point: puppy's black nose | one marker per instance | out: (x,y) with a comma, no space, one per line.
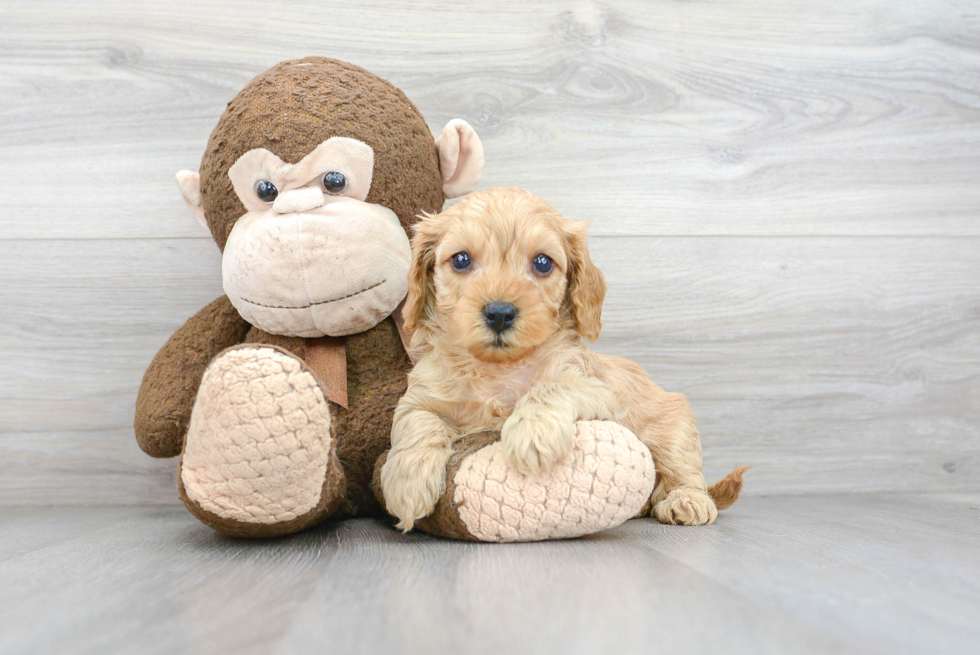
(499,315)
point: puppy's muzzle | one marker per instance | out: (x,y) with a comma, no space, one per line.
(499,316)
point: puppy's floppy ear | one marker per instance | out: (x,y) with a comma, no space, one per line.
(586,284)
(428,232)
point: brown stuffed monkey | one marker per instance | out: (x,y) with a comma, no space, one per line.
(279,395)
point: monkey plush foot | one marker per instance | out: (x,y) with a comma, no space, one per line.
(606,479)
(260,459)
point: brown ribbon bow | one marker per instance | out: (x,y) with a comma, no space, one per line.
(327,356)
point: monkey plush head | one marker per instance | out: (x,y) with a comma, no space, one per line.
(308,184)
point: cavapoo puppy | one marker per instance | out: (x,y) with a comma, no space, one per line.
(502,297)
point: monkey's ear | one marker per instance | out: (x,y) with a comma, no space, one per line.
(460,158)
(190,188)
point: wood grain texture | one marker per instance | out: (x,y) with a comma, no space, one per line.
(840,363)
(784,199)
(649,117)
(831,574)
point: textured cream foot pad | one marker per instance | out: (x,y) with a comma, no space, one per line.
(605,481)
(259,438)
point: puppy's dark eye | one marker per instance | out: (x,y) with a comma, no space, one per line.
(334,183)
(266,190)
(460,261)
(543,264)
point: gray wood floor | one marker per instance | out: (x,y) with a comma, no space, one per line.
(810,574)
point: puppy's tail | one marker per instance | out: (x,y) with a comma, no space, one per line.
(725,492)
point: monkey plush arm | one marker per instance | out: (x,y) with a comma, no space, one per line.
(166,397)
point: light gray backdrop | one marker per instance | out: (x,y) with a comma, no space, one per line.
(785,198)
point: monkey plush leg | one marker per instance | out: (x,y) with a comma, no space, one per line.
(166,396)
(605,480)
(260,456)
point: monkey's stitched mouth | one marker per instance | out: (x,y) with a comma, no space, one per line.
(314,304)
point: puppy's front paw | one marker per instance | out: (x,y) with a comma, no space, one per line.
(686,507)
(535,438)
(412,482)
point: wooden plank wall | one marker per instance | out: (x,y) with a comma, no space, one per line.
(785,198)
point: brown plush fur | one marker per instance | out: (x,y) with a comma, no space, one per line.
(289,110)
(531,382)
(166,396)
(377,376)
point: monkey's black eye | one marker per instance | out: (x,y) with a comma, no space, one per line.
(266,190)
(334,183)
(460,261)
(543,264)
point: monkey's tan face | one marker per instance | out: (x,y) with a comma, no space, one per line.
(311,257)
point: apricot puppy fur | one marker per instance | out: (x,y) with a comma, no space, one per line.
(502,297)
